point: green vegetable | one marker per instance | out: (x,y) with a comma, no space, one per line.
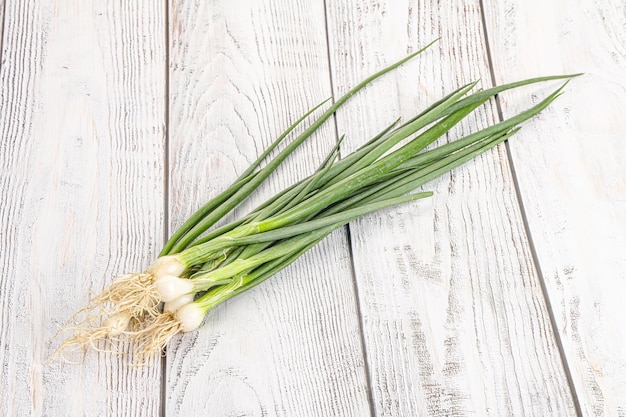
(200,268)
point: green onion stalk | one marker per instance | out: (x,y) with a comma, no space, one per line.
(200,266)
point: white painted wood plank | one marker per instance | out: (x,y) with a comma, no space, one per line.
(454,318)
(81,184)
(571,172)
(290,347)
(1,27)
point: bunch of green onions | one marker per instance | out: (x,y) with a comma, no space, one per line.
(199,267)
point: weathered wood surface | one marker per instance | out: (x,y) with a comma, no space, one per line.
(290,347)
(450,302)
(81,183)
(572,176)
(1,27)
(501,295)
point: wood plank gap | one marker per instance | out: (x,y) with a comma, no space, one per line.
(355,287)
(166,133)
(330,72)
(357,302)
(527,231)
(166,182)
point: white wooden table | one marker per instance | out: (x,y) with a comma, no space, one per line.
(502,295)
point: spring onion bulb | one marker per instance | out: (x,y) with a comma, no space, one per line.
(117,324)
(176,303)
(200,266)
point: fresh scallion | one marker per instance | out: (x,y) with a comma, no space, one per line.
(200,268)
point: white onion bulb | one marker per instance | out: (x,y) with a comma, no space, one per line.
(171,287)
(190,317)
(178,302)
(117,323)
(166,265)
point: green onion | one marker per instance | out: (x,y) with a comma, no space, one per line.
(200,268)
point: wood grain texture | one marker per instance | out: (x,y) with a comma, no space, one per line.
(571,172)
(453,315)
(455,321)
(81,174)
(1,28)
(290,347)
